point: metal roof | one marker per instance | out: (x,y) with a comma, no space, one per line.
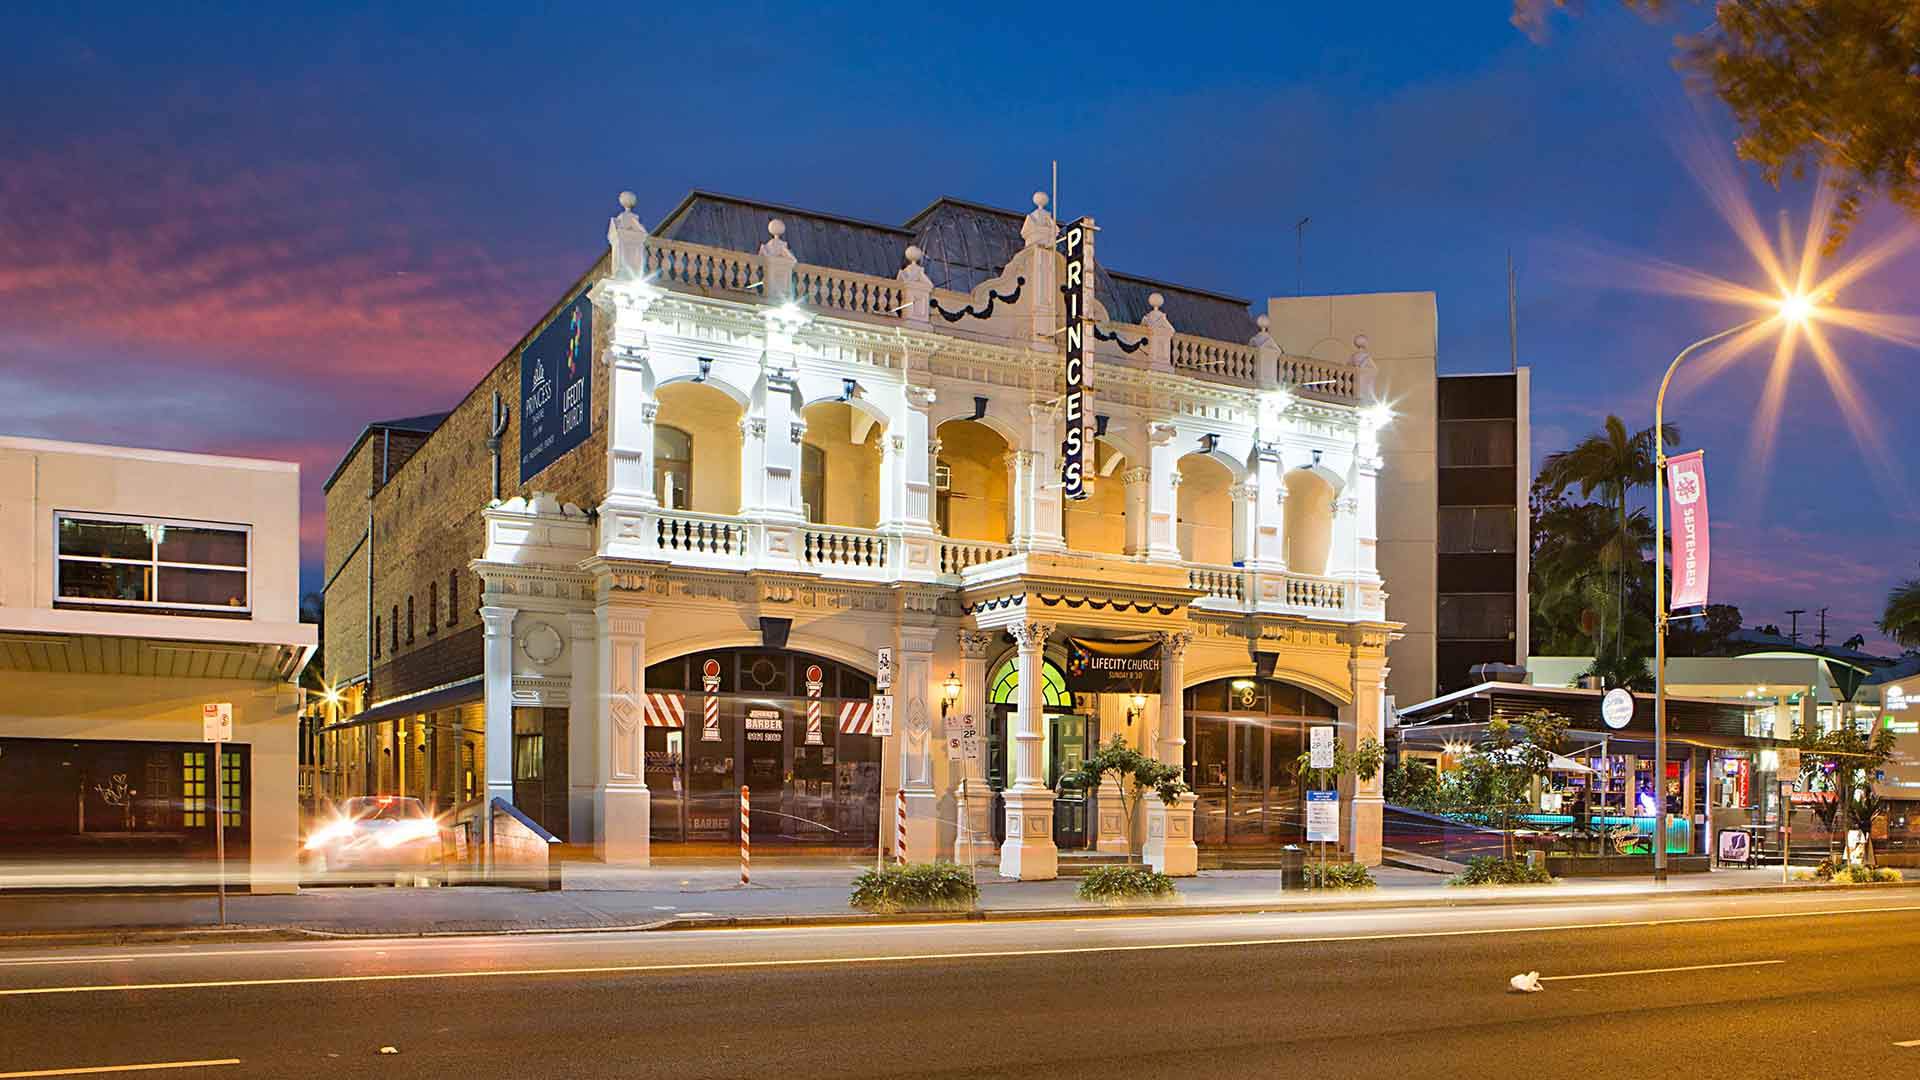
(965,244)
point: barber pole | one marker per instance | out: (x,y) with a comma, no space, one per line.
(710,712)
(900,825)
(815,681)
(746,857)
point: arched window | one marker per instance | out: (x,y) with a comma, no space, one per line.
(672,467)
(1004,687)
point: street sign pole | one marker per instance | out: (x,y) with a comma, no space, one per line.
(219,831)
(216,727)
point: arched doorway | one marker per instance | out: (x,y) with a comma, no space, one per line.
(970,483)
(1244,741)
(1309,521)
(697,421)
(840,465)
(793,727)
(1206,511)
(1070,736)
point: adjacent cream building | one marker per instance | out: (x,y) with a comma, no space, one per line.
(136,587)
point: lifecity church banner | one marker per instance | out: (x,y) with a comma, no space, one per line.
(1687,503)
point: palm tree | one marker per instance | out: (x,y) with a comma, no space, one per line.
(1610,464)
(1901,619)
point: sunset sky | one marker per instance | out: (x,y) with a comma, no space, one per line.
(253,233)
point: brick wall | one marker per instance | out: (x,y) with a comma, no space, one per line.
(428,528)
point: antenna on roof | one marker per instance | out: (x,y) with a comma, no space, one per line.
(1300,256)
(1513,317)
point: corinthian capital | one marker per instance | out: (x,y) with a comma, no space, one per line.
(1175,642)
(1032,635)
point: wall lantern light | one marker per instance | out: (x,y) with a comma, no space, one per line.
(952,688)
(1139,704)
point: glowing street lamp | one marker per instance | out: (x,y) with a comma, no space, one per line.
(1794,310)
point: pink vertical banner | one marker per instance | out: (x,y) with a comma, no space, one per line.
(1687,505)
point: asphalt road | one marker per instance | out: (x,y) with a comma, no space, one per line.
(1767,986)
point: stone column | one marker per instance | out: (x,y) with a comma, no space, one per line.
(1029,853)
(1136,479)
(975,800)
(1033,488)
(1169,846)
(914,689)
(906,497)
(1244,496)
(1368,665)
(498,700)
(583,746)
(1268,508)
(1163,494)
(622,806)
(631,409)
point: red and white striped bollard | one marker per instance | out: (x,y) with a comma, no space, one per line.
(900,825)
(746,856)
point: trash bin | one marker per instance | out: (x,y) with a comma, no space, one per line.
(1536,859)
(1293,868)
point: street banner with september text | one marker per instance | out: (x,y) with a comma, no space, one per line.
(1687,502)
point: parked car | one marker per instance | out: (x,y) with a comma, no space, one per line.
(379,833)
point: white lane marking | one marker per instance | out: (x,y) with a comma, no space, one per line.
(1661,971)
(836,961)
(48,960)
(90,1070)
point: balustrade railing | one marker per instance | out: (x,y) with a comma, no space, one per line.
(1317,378)
(841,290)
(1316,593)
(676,263)
(684,533)
(957,555)
(1218,583)
(1222,359)
(854,549)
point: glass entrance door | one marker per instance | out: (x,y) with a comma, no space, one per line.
(1066,752)
(763,769)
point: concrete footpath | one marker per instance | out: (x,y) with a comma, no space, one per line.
(706,895)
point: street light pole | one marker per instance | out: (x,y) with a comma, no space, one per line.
(1660,598)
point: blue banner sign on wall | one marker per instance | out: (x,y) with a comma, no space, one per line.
(556,388)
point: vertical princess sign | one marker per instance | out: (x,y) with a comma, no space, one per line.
(1073,447)
(1687,502)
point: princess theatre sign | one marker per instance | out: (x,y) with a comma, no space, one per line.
(1073,450)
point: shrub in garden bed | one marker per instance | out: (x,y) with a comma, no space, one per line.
(937,886)
(1339,875)
(1119,884)
(1488,870)
(1848,874)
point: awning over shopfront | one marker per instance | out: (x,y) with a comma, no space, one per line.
(445,697)
(1460,719)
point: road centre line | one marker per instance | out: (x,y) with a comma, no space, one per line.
(94,1070)
(836,961)
(1660,971)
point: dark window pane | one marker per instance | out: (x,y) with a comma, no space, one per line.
(105,539)
(1485,617)
(228,588)
(104,581)
(191,544)
(1476,442)
(1467,530)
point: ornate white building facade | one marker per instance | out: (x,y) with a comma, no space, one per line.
(807,463)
